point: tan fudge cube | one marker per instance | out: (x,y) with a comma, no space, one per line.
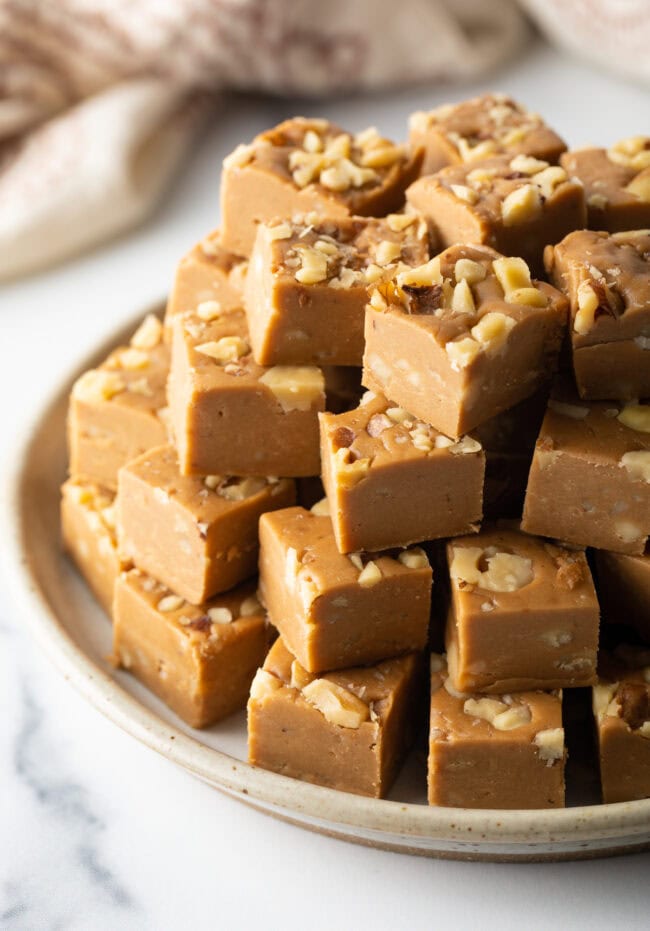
(200,660)
(335,611)
(616,183)
(303,166)
(516,205)
(607,280)
(88,533)
(196,535)
(306,287)
(392,480)
(118,410)
(348,730)
(523,614)
(461,339)
(589,482)
(623,584)
(480,128)
(230,415)
(497,751)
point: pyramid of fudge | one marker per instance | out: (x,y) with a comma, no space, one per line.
(358,477)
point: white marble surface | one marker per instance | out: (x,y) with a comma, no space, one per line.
(97,832)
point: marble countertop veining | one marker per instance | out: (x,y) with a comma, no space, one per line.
(96,831)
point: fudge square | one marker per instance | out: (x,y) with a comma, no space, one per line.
(197,535)
(516,205)
(308,165)
(462,338)
(497,751)
(335,611)
(523,614)
(478,129)
(621,707)
(607,280)
(623,585)
(199,659)
(392,480)
(306,287)
(589,482)
(348,730)
(616,183)
(230,415)
(119,409)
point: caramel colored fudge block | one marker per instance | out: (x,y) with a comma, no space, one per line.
(306,287)
(623,584)
(523,614)
(197,535)
(516,205)
(616,183)
(480,128)
(119,410)
(349,730)
(589,482)
(607,280)
(462,338)
(88,532)
(303,166)
(496,751)
(392,480)
(199,659)
(232,416)
(621,706)
(335,611)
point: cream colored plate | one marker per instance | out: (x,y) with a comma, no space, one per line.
(76,635)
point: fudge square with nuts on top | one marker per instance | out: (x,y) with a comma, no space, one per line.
(623,585)
(516,205)
(616,183)
(199,659)
(349,730)
(523,614)
(480,128)
(333,610)
(607,280)
(306,286)
(230,415)
(118,410)
(198,535)
(589,482)
(462,338)
(392,480)
(310,165)
(497,751)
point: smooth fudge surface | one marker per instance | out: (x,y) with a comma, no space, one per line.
(349,730)
(462,338)
(623,584)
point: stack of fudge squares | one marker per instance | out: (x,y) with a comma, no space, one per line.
(490,291)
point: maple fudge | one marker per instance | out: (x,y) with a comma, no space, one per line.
(462,338)
(88,533)
(616,183)
(607,280)
(392,480)
(516,205)
(623,584)
(306,289)
(197,534)
(311,165)
(497,751)
(621,707)
(232,416)
(333,610)
(480,128)
(523,614)
(589,482)
(199,659)
(119,409)
(349,730)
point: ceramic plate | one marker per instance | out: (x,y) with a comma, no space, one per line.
(77,636)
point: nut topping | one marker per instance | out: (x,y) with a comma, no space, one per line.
(504,572)
(337,705)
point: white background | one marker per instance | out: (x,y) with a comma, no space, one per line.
(96,831)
